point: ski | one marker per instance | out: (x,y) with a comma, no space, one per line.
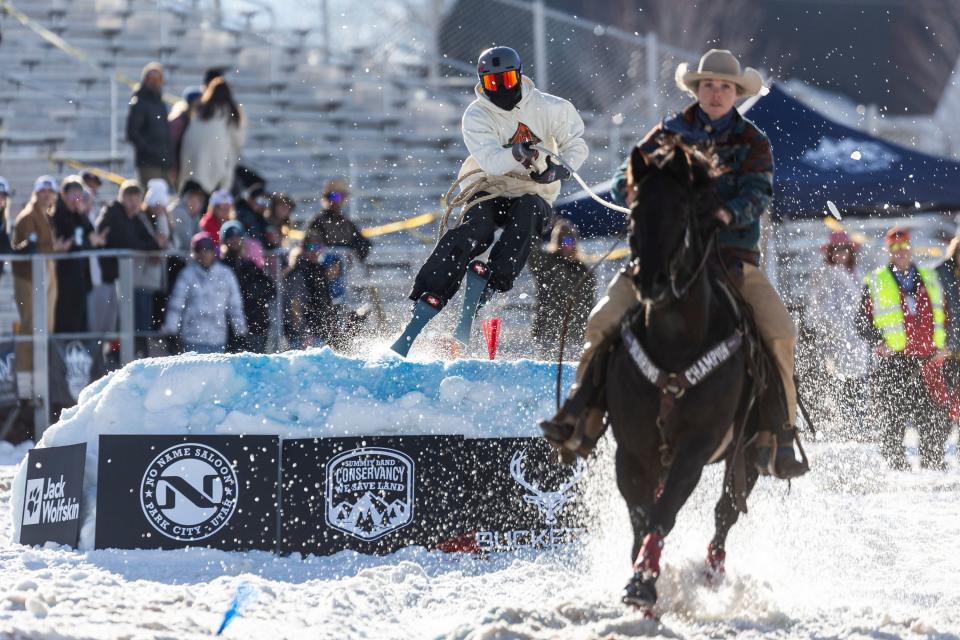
(424,310)
(478,273)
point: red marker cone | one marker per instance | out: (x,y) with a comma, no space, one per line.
(491,331)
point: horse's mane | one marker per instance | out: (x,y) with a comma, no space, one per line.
(696,167)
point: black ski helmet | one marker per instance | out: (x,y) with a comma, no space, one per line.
(496,63)
(498,59)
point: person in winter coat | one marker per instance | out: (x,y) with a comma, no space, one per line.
(147,128)
(121,223)
(902,315)
(150,281)
(949,273)
(33,233)
(251,211)
(219,210)
(179,120)
(840,358)
(5,246)
(205,299)
(331,225)
(500,127)
(73,276)
(184,213)
(309,316)
(562,279)
(256,288)
(213,142)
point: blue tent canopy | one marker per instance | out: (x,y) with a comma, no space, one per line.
(816,160)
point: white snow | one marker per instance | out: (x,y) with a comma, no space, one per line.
(851,550)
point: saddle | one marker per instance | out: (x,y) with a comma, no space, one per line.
(580,423)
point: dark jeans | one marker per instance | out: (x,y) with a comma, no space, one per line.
(522,220)
(901,397)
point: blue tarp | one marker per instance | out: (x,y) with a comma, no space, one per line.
(816,160)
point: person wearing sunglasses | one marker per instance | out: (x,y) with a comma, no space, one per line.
(902,315)
(500,128)
(333,227)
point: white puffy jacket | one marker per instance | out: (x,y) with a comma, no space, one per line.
(201,302)
(490,132)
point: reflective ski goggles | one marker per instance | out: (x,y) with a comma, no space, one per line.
(502,80)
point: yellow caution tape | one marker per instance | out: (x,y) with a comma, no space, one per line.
(115,178)
(383,229)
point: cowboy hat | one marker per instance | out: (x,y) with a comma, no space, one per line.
(720,64)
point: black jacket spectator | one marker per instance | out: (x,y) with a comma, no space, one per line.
(257,290)
(73,276)
(337,231)
(125,233)
(309,311)
(148,131)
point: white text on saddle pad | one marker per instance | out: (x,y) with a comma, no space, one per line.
(705,365)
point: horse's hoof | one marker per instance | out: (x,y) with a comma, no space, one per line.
(715,568)
(640,593)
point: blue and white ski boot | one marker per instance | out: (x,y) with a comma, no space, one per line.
(478,274)
(424,310)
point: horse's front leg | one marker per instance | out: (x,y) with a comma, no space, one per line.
(682,479)
(726,514)
(637,484)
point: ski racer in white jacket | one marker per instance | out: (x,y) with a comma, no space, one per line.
(205,296)
(499,127)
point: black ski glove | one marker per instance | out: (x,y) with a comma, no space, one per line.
(524,154)
(552,173)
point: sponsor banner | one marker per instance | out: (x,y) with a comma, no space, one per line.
(371,494)
(73,365)
(8,374)
(166,492)
(521,498)
(51,502)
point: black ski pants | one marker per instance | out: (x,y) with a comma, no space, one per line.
(522,219)
(901,398)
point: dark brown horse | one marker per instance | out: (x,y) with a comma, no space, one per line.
(680,378)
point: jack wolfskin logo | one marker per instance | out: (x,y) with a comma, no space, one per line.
(189,492)
(369,492)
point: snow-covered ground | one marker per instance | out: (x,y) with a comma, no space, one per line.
(851,551)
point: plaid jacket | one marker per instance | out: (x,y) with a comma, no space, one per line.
(747,186)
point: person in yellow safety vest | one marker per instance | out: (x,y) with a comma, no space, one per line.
(902,314)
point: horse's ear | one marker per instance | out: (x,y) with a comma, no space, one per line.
(636,167)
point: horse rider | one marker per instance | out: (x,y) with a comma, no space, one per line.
(745,188)
(902,314)
(507,118)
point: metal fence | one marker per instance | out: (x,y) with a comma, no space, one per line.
(40,335)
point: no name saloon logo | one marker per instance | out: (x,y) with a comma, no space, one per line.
(189,492)
(369,492)
(47,502)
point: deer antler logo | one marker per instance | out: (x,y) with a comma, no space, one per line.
(550,503)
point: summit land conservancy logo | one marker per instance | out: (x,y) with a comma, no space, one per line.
(369,492)
(189,492)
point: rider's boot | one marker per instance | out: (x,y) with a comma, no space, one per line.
(776,455)
(579,424)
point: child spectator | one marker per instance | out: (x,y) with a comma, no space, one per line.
(256,288)
(205,299)
(309,312)
(218,212)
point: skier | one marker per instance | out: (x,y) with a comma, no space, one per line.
(500,127)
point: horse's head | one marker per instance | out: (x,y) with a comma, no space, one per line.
(673,199)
